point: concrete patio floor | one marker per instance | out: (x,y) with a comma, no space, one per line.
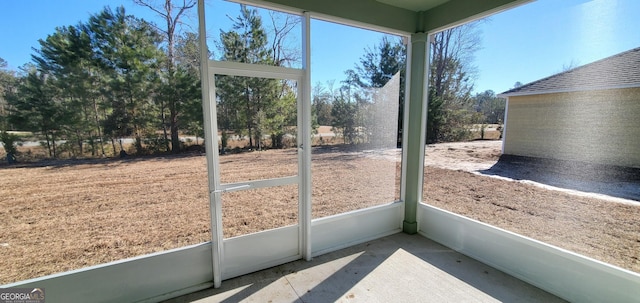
(397,268)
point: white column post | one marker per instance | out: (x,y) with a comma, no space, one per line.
(305,165)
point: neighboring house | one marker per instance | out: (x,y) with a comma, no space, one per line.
(590,113)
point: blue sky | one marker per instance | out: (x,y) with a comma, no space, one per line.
(523,44)
(536,40)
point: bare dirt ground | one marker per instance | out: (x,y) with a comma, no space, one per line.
(467,156)
(63,215)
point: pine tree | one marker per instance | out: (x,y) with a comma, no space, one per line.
(374,75)
(66,57)
(188,65)
(127,51)
(246,104)
(35,107)
(175,96)
(8,82)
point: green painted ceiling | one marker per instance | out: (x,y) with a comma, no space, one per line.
(414,5)
(408,16)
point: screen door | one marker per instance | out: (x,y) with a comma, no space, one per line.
(258,162)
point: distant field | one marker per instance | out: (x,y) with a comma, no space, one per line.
(491,131)
(20,133)
(323,136)
(61,215)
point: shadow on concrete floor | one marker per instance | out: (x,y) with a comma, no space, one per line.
(397,268)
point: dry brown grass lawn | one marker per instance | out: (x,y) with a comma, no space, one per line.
(72,214)
(604,230)
(58,216)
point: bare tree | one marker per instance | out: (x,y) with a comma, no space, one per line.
(171,11)
(172,14)
(451,81)
(569,66)
(283,24)
(452,54)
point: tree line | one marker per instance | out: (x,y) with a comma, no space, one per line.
(110,77)
(452,108)
(117,76)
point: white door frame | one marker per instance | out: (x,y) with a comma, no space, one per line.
(303,179)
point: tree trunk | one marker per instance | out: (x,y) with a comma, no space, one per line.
(175,138)
(113,145)
(163,116)
(46,137)
(138,143)
(95,109)
(53,144)
(80,145)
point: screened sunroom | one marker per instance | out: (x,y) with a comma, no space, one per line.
(348,213)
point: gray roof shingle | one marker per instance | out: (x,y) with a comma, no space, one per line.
(618,71)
